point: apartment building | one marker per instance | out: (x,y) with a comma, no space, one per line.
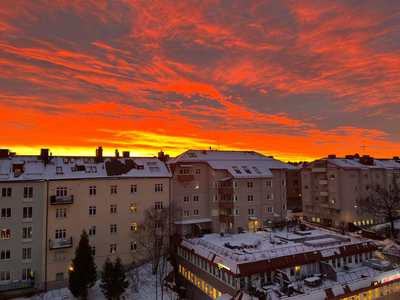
(107,196)
(331,188)
(228,191)
(300,265)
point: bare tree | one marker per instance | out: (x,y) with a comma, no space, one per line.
(152,237)
(382,203)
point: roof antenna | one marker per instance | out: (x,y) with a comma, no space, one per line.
(219,149)
(363,147)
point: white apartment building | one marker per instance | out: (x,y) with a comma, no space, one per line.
(52,199)
(331,188)
(228,191)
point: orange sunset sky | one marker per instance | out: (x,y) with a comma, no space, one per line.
(295,79)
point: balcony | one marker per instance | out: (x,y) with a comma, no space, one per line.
(318,170)
(17,285)
(60,200)
(324,204)
(324,193)
(185,178)
(226,191)
(59,244)
(226,204)
(226,219)
(323,181)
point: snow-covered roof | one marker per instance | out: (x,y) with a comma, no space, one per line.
(355,163)
(240,164)
(62,167)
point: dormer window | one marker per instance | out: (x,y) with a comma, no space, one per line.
(86,160)
(246,169)
(59,170)
(192,154)
(94,169)
(236,169)
(257,170)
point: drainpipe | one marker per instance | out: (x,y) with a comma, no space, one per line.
(45,244)
(261,201)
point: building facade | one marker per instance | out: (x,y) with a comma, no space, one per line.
(332,187)
(228,191)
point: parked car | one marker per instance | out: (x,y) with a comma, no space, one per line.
(297,209)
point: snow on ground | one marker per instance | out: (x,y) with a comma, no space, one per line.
(142,289)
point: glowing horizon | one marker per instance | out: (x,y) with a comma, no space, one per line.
(297,81)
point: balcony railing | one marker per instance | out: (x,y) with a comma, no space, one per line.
(318,170)
(323,181)
(59,244)
(17,285)
(324,193)
(185,178)
(226,219)
(226,204)
(226,191)
(60,200)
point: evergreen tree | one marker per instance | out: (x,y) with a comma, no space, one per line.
(119,282)
(107,278)
(82,275)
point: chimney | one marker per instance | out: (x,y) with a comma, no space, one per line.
(44,154)
(349,157)
(99,154)
(394,157)
(116,153)
(125,154)
(356,155)
(4,153)
(363,160)
(271,156)
(332,156)
(161,155)
(370,161)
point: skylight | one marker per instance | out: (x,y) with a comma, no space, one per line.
(192,154)
(257,170)
(236,169)
(246,169)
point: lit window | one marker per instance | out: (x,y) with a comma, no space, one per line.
(134,208)
(133,227)
(6,233)
(196,185)
(113,248)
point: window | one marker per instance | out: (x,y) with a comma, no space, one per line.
(114,190)
(5,275)
(92,210)
(283,182)
(26,253)
(6,233)
(6,192)
(333,201)
(327,211)
(113,208)
(113,228)
(186,199)
(133,188)
(158,206)
(246,169)
(154,169)
(317,198)
(60,234)
(27,233)
(315,176)
(28,192)
(214,212)
(295,182)
(195,198)
(61,192)
(92,231)
(198,171)
(337,211)
(305,176)
(27,273)
(250,184)
(332,177)
(309,208)
(133,227)
(158,187)
(184,171)
(250,198)
(214,184)
(284,207)
(270,196)
(365,176)
(196,185)
(270,209)
(214,198)
(317,209)
(186,185)
(186,213)
(6,212)
(133,246)
(61,213)
(60,276)
(27,212)
(92,191)
(113,248)
(251,211)
(284,194)
(316,187)
(158,242)
(133,208)
(306,187)
(196,213)
(236,169)
(5,255)
(352,175)
(158,225)
(93,250)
